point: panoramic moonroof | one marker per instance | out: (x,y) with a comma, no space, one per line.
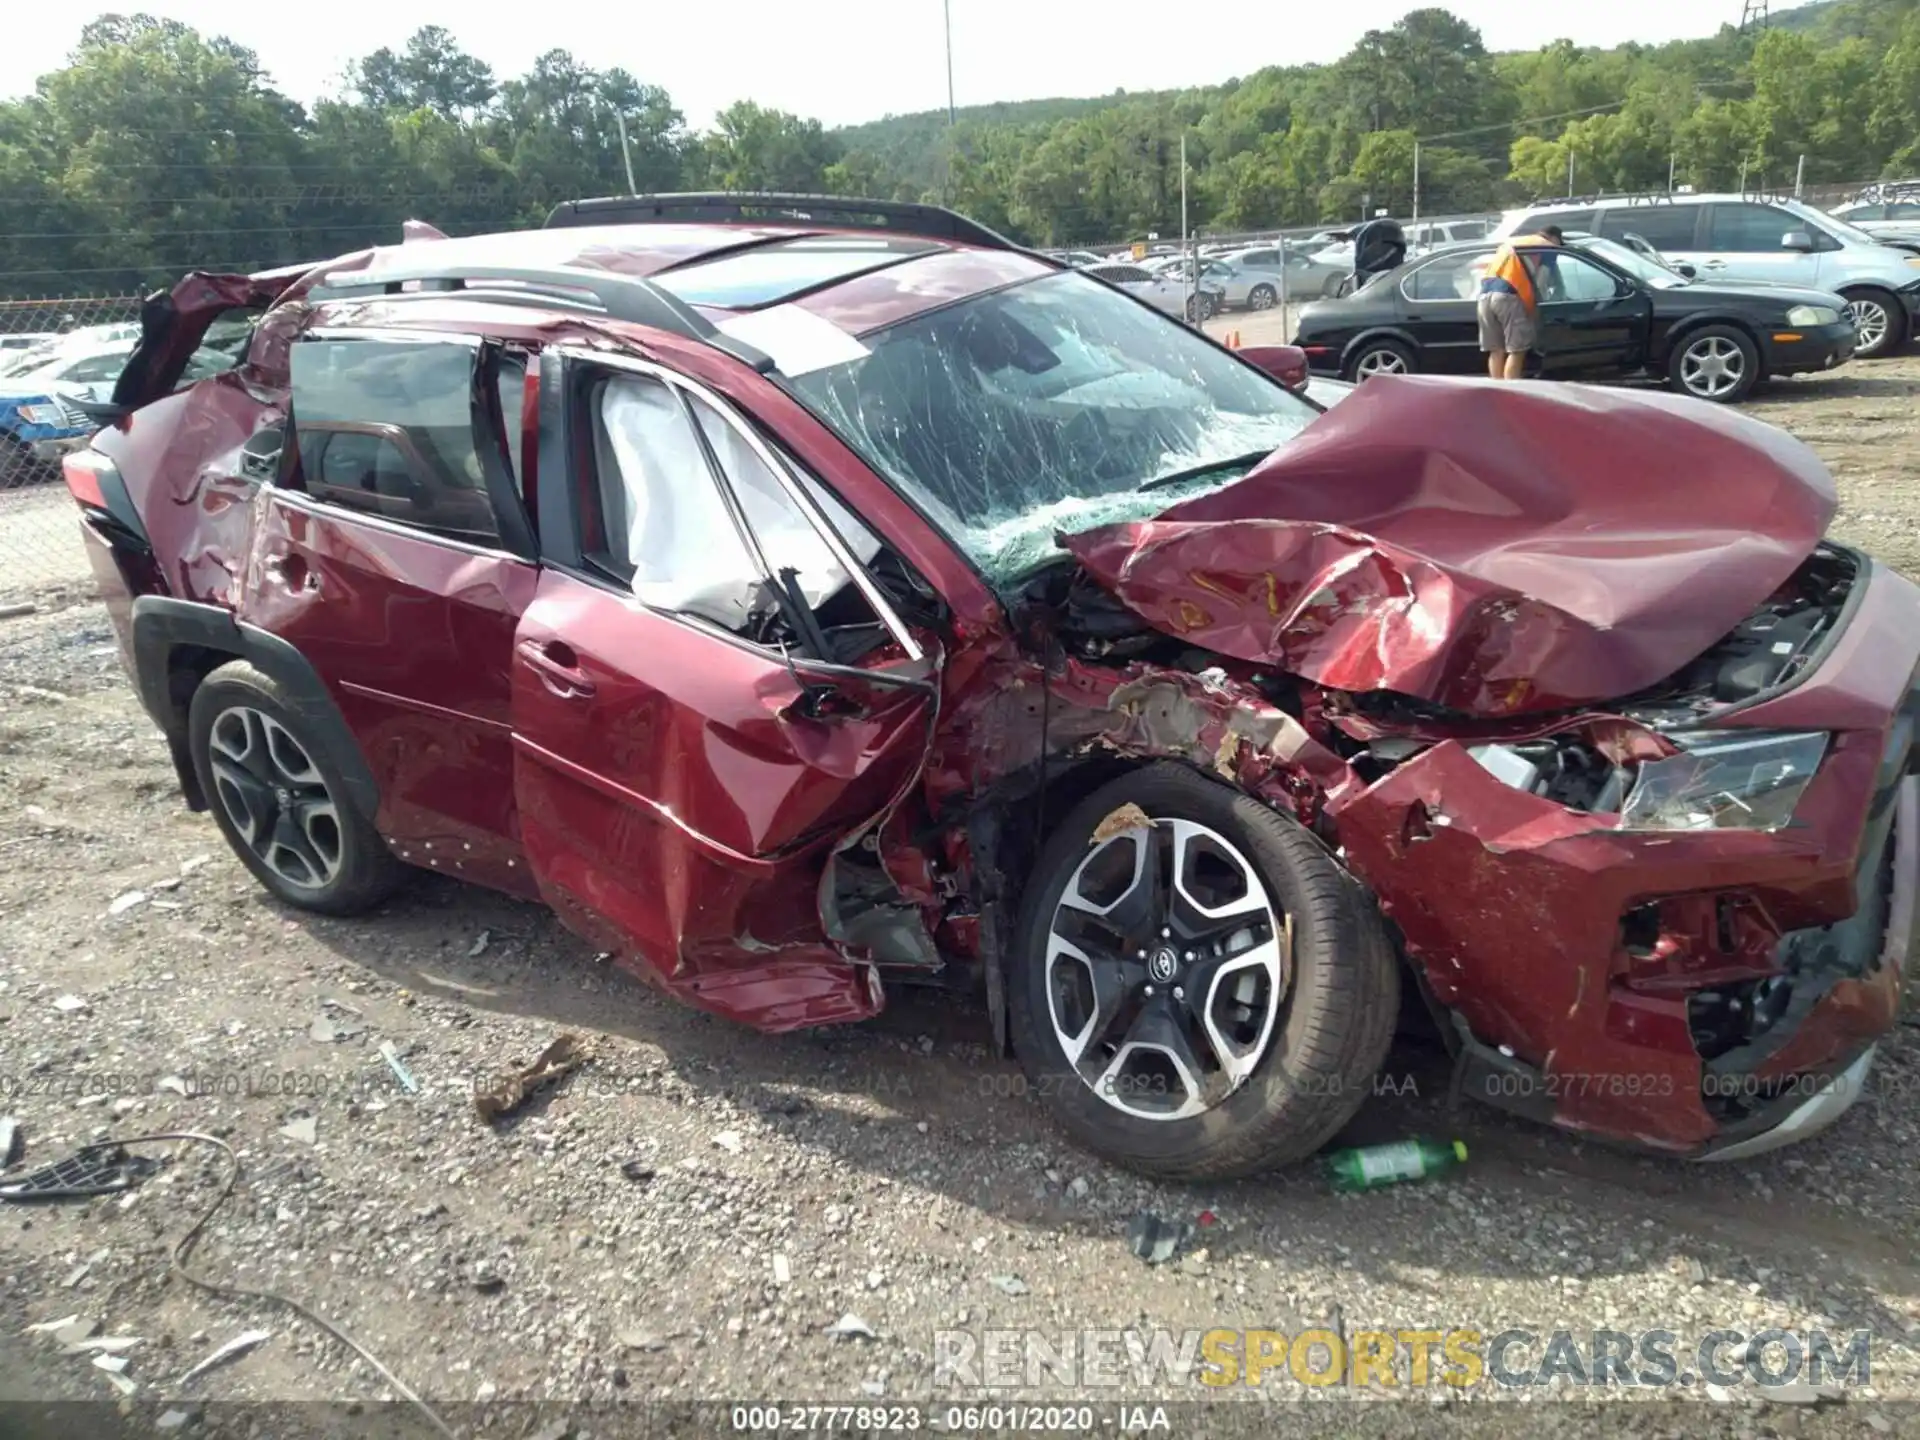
(768,274)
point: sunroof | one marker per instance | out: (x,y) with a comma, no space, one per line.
(768,274)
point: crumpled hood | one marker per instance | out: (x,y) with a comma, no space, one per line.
(1494,548)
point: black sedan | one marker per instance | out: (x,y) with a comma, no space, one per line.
(1605,310)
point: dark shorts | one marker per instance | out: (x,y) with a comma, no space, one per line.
(1505,323)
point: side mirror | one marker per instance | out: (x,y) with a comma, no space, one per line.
(1285,363)
(1796,240)
(1691,272)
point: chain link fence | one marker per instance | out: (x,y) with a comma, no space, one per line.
(53,354)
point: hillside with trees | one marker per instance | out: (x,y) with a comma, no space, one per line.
(158,149)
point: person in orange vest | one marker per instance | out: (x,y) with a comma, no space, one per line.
(1509,306)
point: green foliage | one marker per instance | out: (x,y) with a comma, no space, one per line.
(157,149)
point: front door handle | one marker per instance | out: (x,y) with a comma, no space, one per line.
(558,668)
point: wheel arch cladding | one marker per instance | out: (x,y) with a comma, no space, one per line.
(178,643)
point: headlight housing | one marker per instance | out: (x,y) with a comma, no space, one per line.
(1808,315)
(1724,780)
(41,414)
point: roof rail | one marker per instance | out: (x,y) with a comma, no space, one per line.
(838,212)
(619,297)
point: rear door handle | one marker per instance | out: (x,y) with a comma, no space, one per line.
(558,668)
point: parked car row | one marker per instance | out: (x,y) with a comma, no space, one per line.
(1773,242)
(44,387)
(1605,310)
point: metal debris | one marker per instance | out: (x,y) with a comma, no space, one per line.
(173,1083)
(1156,1240)
(105,1169)
(400,1072)
(113,1364)
(306,1129)
(1008,1284)
(123,903)
(851,1327)
(641,1340)
(12,1141)
(120,1382)
(47,1327)
(563,1056)
(729,1141)
(67,1004)
(238,1345)
(75,1332)
(103,1344)
(479,945)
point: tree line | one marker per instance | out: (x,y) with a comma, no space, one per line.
(157,149)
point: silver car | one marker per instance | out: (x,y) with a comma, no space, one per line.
(1164,289)
(1751,238)
(1892,214)
(1308,276)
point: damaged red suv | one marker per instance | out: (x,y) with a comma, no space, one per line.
(806,599)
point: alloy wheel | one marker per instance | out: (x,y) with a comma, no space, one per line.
(1380,362)
(1166,970)
(275,796)
(1262,298)
(1871,322)
(1712,367)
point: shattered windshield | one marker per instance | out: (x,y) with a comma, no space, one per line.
(1053,405)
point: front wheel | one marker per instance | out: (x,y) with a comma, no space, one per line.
(1203,993)
(278,799)
(1879,323)
(1262,297)
(1716,362)
(1200,308)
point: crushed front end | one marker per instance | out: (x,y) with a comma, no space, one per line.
(1685,923)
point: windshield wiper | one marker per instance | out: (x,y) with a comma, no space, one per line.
(1160,482)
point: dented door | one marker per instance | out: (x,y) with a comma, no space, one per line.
(379,555)
(710,694)
(680,794)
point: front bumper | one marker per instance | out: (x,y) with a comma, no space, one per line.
(1532,924)
(1816,347)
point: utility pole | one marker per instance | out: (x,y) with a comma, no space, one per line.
(1800,177)
(1416,180)
(1186,237)
(626,155)
(1569,171)
(946,7)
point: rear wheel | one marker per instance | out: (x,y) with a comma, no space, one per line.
(1203,994)
(1715,362)
(1380,357)
(1879,323)
(1200,307)
(1262,297)
(279,801)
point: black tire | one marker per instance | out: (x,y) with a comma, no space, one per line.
(1716,363)
(1894,334)
(1337,1007)
(1379,356)
(1200,308)
(363,871)
(1262,297)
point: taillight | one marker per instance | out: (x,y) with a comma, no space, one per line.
(95,482)
(81,471)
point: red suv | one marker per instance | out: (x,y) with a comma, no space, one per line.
(809,597)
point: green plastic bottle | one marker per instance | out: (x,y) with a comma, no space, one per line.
(1371,1166)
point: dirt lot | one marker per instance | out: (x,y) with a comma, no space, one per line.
(685,1217)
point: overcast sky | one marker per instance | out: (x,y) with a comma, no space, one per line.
(849,60)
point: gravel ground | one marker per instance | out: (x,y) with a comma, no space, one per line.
(685,1217)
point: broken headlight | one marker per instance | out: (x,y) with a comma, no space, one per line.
(1722,780)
